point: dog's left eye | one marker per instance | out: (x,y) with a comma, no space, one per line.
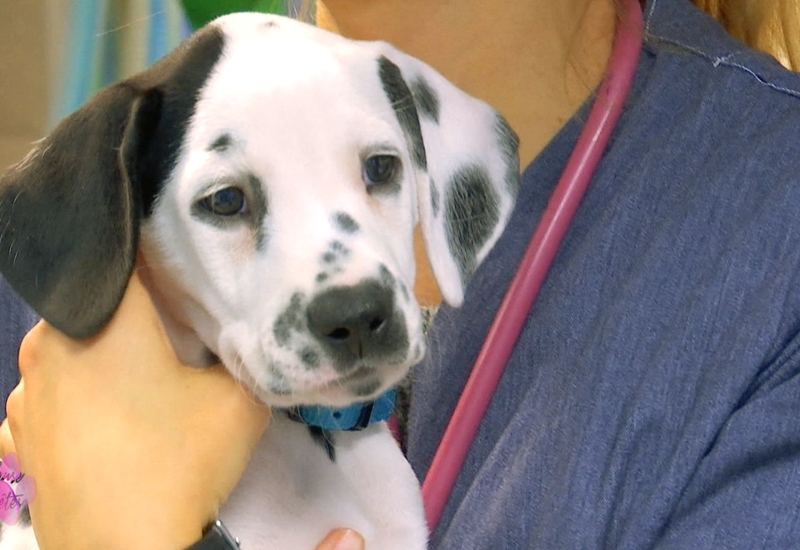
(225,202)
(379,169)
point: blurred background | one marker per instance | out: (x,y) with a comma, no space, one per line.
(54,54)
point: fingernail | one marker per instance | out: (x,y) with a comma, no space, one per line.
(350,540)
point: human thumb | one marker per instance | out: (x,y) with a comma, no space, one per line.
(342,539)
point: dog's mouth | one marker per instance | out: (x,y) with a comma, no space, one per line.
(359,374)
(363,382)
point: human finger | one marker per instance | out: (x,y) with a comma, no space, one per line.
(13,421)
(342,539)
(6,441)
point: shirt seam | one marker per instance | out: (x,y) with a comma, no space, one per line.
(716,61)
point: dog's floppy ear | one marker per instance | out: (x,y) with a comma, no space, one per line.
(467,167)
(70,211)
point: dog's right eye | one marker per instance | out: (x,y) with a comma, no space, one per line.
(225,202)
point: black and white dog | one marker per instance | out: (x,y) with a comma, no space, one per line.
(271,174)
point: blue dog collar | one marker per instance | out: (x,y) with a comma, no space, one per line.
(353,418)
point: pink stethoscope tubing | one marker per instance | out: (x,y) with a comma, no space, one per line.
(535,264)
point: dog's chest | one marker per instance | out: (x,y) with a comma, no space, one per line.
(292,494)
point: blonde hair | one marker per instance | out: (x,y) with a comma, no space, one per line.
(307,11)
(772,26)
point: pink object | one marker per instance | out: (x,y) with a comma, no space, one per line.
(535,264)
(394,428)
(16,489)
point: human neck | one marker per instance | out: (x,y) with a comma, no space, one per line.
(536,61)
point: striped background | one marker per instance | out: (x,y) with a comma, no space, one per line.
(106,40)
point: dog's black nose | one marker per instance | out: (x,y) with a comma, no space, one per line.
(358,323)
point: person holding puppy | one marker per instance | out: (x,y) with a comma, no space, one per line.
(652,400)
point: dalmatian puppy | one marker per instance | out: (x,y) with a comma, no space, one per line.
(271,174)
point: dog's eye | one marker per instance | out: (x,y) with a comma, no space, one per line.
(379,169)
(225,202)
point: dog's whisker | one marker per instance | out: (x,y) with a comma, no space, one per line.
(130,24)
(244,382)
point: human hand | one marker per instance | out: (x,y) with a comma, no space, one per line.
(128,447)
(342,539)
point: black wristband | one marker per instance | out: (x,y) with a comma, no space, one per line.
(216,537)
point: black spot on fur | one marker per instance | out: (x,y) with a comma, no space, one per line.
(338,248)
(278,384)
(426,99)
(472,211)
(366,388)
(288,320)
(404,292)
(509,148)
(435,198)
(258,211)
(279,390)
(345,222)
(322,277)
(402,102)
(324,439)
(221,144)
(309,357)
(387,279)
(25,516)
(336,252)
(328,257)
(266,25)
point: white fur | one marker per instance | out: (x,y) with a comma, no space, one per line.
(290,483)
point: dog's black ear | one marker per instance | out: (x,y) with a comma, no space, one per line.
(69,212)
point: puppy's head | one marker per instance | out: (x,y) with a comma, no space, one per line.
(272,175)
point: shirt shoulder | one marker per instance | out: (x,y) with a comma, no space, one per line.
(675,30)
